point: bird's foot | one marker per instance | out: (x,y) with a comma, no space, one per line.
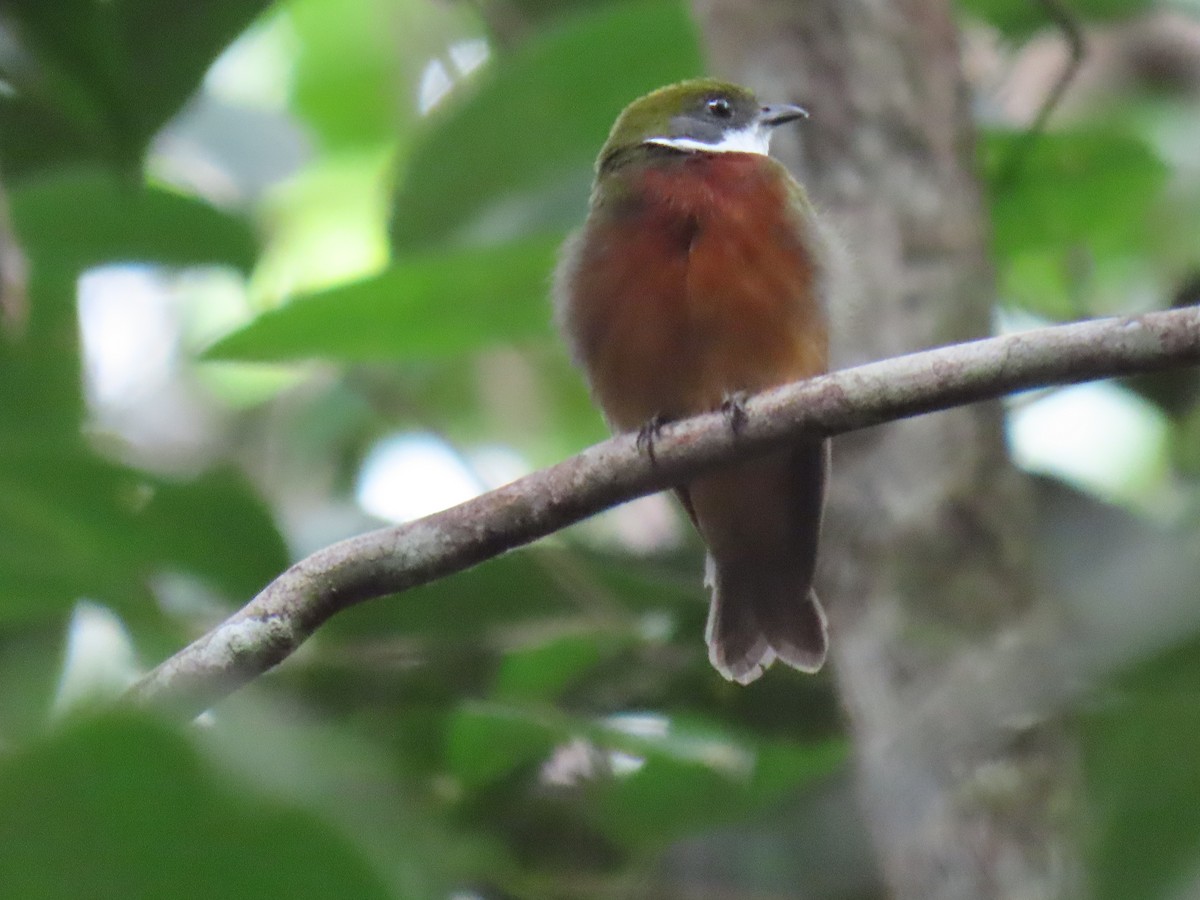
(734,409)
(648,434)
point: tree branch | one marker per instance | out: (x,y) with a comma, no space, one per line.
(393,559)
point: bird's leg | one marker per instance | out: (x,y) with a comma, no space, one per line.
(648,434)
(733,407)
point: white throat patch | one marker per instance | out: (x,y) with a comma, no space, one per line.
(751,139)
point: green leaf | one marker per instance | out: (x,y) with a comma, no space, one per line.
(30,669)
(1020,18)
(41,409)
(359,65)
(214,526)
(541,10)
(544,671)
(1143,783)
(122,808)
(1079,206)
(74,219)
(487,742)
(347,74)
(521,146)
(670,776)
(1093,187)
(77,511)
(432,305)
(1185,443)
(108,528)
(701,777)
(507,590)
(95,80)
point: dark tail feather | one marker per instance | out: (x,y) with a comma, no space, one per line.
(759,613)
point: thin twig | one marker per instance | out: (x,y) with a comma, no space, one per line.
(389,560)
(1067,22)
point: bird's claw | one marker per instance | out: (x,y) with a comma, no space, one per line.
(648,434)
(734,410)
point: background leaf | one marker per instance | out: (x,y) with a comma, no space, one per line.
(94,81)
(520,147)
(1019,19)
(1079,207)
(77,218)
(669,797)
(83,812)
(1139,745)
(492,295)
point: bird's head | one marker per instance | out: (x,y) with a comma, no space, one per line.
(702,115)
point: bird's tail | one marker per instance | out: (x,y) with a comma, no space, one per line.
(761,612)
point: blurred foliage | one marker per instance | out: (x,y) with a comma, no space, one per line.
(1137,755)
(533,127)
(1079,208)
(75,218)
(1017,19)
(128,809)
(498,295)
(545,724)
(94,81)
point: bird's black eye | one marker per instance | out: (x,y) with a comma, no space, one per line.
(719,107)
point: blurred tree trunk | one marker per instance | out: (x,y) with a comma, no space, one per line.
(967,788)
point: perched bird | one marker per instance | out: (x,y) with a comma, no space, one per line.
(699,276)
